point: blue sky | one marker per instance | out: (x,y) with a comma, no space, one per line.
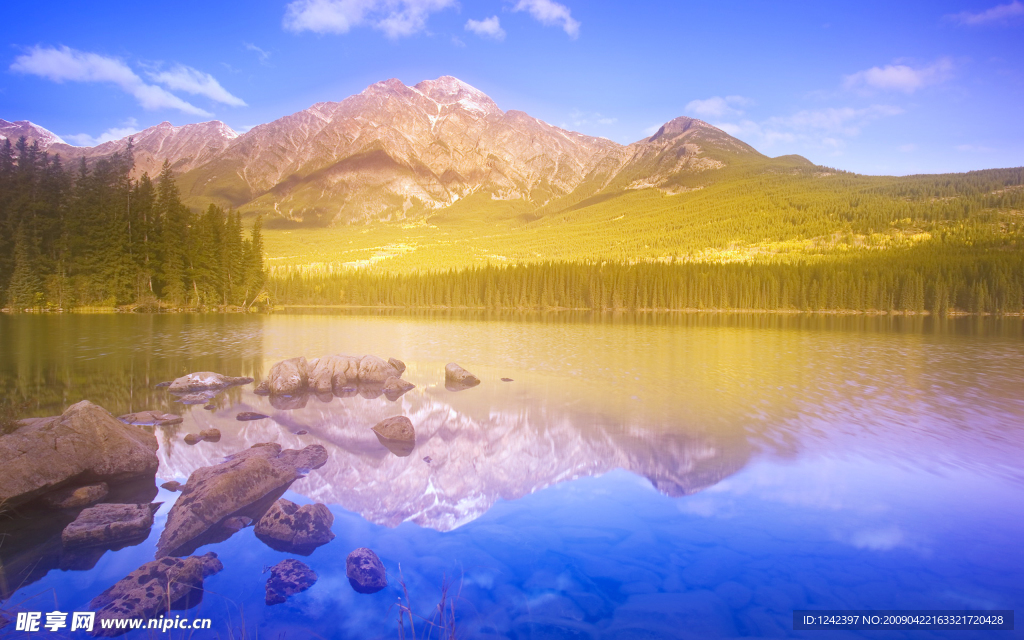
(874,87)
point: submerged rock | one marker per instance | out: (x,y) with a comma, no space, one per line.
(164,385)
(397,434)
(456,378)
(205,381)
(154,589)
(210,435)
(74,497)
(290,528)
(199,397)
(250,415)
(84,444)
(108,524)
(150,419)
(217,492)
(287,578)
(173,485)
(365,571)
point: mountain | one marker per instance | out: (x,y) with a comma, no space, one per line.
(29,130)
(395,151)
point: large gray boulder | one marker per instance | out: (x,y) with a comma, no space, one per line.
(109,524)
(154,589)
(365,571)
(287,578)
(288,527)
(84,444)
(215,493)
(204,381)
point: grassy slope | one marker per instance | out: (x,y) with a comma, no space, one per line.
(791,213)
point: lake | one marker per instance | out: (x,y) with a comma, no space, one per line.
(647,476)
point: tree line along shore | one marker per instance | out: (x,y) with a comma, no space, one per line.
(94,238)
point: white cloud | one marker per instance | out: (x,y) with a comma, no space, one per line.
(264,56)
(486,28)
(824,128)
(396,18)
(182,78)
(1003,14)
(717,106)
(63,64)
(583,118)
(974,148)
(551,14)
(114,133)
(900,77)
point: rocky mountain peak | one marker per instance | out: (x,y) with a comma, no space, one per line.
(31,131)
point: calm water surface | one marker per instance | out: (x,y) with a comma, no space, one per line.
(641,477)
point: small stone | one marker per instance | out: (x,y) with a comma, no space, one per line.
(164,385)
(395,387)
(506,379)
(301,432)
(107,524)
(427,460)
(397,364)
(287,578)
(397,434)
(193,438)
(457,379)
(210,435)
(210,407)
(173,485)
(74,497)
(250,415)
(365,571)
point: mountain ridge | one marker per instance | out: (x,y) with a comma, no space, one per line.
(394,152)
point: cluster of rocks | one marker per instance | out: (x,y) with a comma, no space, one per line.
(337,375)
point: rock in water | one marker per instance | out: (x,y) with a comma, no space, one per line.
(219,491)
(397,434)
(250,415)
(173,485)
(397,364)
(286,377)
(210,435)
(506,379)
(74,497)
(199,397)
(237,522)
(84,444)
(154,589)
(365,571)
(394,388)
(205,381)
(456,378)
(164,385)
(293,529)
(330,373)
(150,419)
(108,524)
(287,578)
(193,438)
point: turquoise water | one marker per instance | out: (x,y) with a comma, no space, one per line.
(640,477)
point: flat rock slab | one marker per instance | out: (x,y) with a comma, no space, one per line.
(205,381)
(219,491)
(154,589)
(365,571)
(290,528)
(287,578)
(84,444)
(109,524)
(150,418)
(74,497)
